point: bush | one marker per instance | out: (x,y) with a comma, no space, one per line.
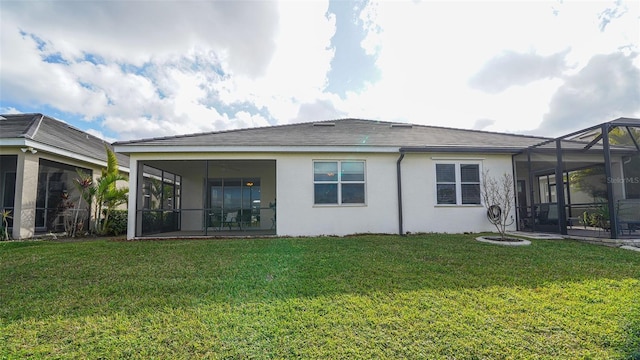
(117,222)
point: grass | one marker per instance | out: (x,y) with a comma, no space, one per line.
(427,296)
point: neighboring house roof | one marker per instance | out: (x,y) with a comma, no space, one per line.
(55,134)
(340,133)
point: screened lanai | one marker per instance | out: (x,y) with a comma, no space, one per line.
(586,183)
(205,198)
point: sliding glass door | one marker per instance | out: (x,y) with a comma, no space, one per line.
(234,203)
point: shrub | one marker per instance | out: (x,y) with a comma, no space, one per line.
(117,222)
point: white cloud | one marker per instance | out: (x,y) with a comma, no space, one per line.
(9,110)
(164,68)
(511,68)
(607,88)
(297,72)
(137,32)
(99,134)
(26,78)
(428,52)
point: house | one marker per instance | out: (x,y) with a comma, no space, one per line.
(39,159)
(325,178)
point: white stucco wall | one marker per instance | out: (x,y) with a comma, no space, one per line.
(297,215)
(24,215)
(422,214)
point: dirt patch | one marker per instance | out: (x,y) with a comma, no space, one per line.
(508,241)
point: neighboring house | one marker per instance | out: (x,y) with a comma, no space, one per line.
(329,178)
(39,160)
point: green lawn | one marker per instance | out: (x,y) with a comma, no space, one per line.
(427,296)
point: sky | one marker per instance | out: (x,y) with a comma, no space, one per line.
(133,69)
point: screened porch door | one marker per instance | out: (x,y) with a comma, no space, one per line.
(233,203)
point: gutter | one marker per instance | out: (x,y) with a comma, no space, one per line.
(462,149)
(399,180)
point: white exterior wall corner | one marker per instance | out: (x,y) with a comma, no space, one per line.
(420,211)
(132,202)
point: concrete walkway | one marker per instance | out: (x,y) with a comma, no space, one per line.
(625,243)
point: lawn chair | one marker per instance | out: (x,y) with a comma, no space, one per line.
(628,215)
(230,220)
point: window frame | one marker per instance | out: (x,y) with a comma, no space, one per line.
(458,182)
(339,182)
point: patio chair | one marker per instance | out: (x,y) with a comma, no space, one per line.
(628,215)
(244,218)
(230,219)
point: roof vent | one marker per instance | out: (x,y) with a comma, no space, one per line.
(324,124)
(402,125)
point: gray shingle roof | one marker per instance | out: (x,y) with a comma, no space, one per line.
(347,132)
(55,133)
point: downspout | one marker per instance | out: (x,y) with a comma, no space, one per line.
(399,179)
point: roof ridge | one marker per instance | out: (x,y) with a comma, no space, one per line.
(447,128)
(31,129)
(482,131)
(215,132)
(320,121)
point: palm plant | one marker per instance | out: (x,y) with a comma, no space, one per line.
(103,194)
(84,182)
(107,195)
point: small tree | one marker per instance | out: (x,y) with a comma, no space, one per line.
(6,215)
(107,195)
(83,183)
(103,194)
(497,196)
(107,198)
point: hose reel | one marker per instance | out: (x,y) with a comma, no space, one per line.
(494,213)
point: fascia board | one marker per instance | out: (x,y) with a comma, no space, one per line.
(65,153)
(462,149)
(13,142)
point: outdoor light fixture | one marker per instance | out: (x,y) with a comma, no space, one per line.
(249,184)
(30,149)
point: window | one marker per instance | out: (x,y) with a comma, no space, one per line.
(457,184)
(338,182)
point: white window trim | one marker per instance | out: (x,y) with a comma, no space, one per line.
(339,182)
(458,183)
